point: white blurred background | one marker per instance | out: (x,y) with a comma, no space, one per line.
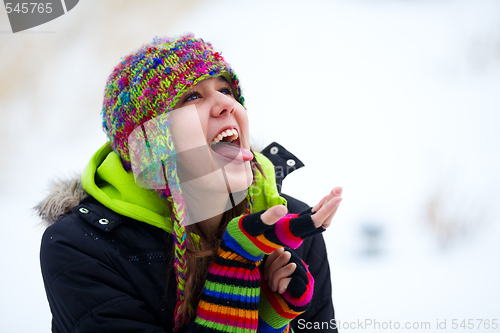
(398,101)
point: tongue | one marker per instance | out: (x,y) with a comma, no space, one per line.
(232,151)
(246,154)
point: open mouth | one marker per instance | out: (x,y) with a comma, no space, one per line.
(227,144)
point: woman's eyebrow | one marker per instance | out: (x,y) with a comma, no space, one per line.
(222,79)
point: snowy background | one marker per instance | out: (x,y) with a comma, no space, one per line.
(396,101)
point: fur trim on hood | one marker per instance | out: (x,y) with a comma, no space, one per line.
(64,194)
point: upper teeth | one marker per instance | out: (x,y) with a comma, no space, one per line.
(231,133)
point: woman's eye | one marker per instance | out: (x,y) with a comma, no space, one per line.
(226,91)
(192,96)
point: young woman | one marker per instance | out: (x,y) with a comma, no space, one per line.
(176,224)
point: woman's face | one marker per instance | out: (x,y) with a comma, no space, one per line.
(211,136)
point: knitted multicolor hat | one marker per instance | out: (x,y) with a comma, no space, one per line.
(146,84)
(151,80)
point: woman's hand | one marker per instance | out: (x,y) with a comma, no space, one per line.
(277,270)
(264,232)
(326,208)
(323,211)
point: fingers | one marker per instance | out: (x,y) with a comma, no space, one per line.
(283,285)
(337,191)
(277,271)
(328,220)
(324,212)
(319,204)
(326,209)
(273,214)
(283,273)
(270,259)
(276,265)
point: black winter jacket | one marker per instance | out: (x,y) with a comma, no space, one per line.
(104,272)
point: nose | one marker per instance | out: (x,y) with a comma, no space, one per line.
(222,105)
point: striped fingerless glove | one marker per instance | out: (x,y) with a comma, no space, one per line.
(230,300)
(277,310)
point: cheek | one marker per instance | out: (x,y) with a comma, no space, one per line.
(242,119)
(203,117)
(187,129)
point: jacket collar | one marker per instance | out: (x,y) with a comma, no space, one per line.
(108,182)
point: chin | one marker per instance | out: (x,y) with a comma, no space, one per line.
(239,176)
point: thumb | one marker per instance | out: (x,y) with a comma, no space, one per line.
(273,214)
